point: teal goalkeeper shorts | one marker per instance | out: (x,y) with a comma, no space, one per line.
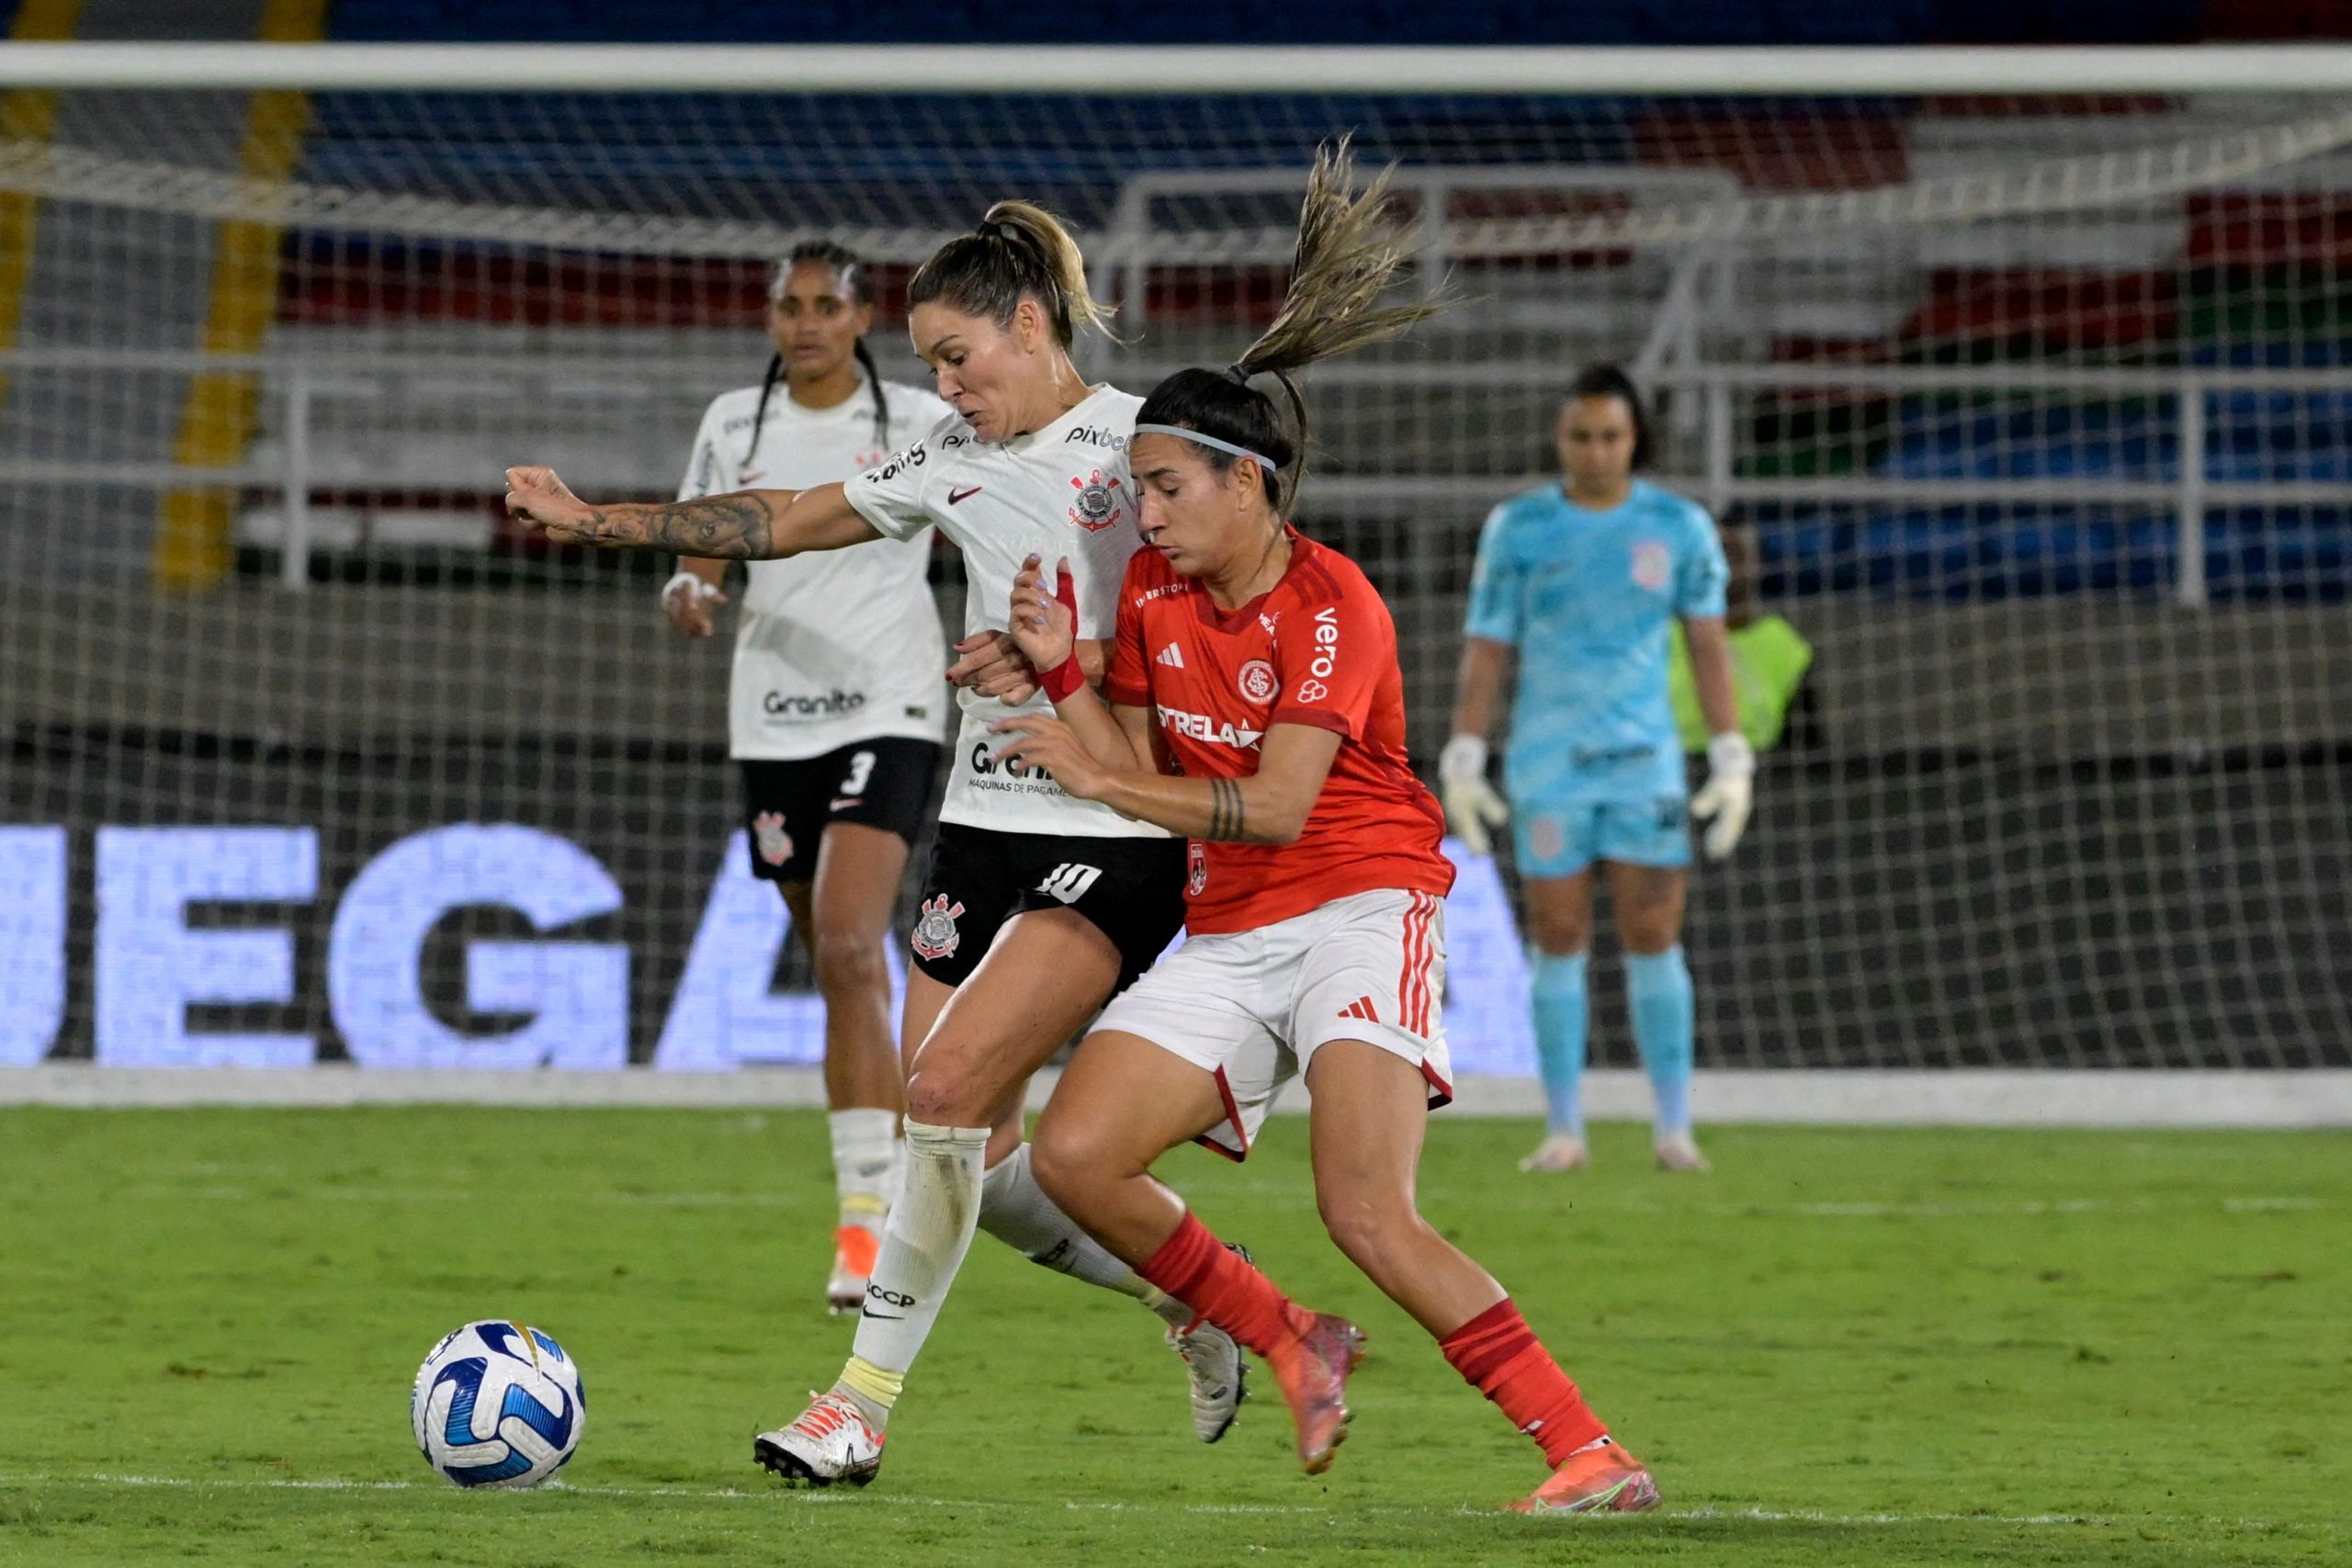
(1556,837)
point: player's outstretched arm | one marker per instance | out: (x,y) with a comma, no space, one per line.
(751,524)
(1270,807)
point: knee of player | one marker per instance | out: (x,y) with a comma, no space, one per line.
(1649,928)
(1557,936)
(1363,1221)
(848,964)
(1064,1166)
(940,1097)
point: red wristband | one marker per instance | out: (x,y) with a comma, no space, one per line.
(1068,676)
(1063,678)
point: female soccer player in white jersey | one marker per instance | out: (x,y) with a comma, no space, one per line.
(1255,703)
(1038,905)
(1583,576)
(838,736)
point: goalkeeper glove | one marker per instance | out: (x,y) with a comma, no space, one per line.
(1471,802)
(1729,793)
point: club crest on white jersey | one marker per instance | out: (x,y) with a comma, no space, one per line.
(1100,502)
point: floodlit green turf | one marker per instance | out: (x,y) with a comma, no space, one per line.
(1842,1347)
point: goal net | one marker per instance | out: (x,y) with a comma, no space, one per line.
(2026,411)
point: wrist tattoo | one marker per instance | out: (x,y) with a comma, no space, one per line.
(1228,819)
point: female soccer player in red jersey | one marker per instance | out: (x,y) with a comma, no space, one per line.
(1024,880)
(1255,704)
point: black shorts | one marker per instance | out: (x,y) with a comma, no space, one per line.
(1132,889)
(884,782)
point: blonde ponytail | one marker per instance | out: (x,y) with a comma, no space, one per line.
(1065,264)
(1018,250)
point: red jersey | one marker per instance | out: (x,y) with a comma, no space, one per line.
(1318,649)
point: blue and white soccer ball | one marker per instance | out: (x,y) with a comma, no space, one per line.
(498,1405)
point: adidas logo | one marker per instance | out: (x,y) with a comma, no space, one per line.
(1170,655)
(1361,1007)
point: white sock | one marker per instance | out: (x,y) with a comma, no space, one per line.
(1015,1210)
(923,1247)
(866,1160)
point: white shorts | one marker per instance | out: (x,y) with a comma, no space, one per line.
(1253,1007)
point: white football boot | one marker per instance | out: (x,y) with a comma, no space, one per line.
(1219,1371)
(1558,1151)
(830,1442)
(1680,1151)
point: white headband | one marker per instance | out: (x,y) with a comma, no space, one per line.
(1177,430)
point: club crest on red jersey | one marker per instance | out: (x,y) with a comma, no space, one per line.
(1258,681)
(935,935)
(1099,503)
(769,838)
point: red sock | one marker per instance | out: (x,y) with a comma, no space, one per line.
(1194,1266)
(1499,1356)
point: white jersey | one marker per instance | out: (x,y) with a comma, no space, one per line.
(834,647)
(1062,490)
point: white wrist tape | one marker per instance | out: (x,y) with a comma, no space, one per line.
(700,588)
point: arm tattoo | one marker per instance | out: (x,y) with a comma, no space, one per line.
(1228,821)
(717,527)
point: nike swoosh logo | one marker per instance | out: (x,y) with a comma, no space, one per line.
(882,1316)
(845,802)
(955,495)
(751,476)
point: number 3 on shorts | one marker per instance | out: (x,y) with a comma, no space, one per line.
(861,768)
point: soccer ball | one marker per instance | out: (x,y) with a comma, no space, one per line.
(498,1405)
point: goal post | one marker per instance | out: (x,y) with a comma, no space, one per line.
(2017,377)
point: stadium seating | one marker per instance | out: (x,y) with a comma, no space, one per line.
(2177,290)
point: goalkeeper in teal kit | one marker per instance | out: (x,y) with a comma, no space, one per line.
(1581,578)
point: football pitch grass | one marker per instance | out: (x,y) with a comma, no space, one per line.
(1840,1347)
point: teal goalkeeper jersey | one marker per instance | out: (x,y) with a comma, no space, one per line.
(1587,598)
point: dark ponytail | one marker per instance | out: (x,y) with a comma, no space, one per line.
(1348,255)
(1019,251)
(850,269)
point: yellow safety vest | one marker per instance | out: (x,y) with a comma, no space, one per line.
(1769,659)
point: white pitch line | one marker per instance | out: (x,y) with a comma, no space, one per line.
(2029,1208)
(871,1499)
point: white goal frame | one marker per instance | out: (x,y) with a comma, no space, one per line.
(1054,70)
(2253,1097)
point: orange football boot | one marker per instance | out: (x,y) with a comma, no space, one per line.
(1598,1478)
(1312,1368)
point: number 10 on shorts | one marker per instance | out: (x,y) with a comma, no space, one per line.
(1068,883)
